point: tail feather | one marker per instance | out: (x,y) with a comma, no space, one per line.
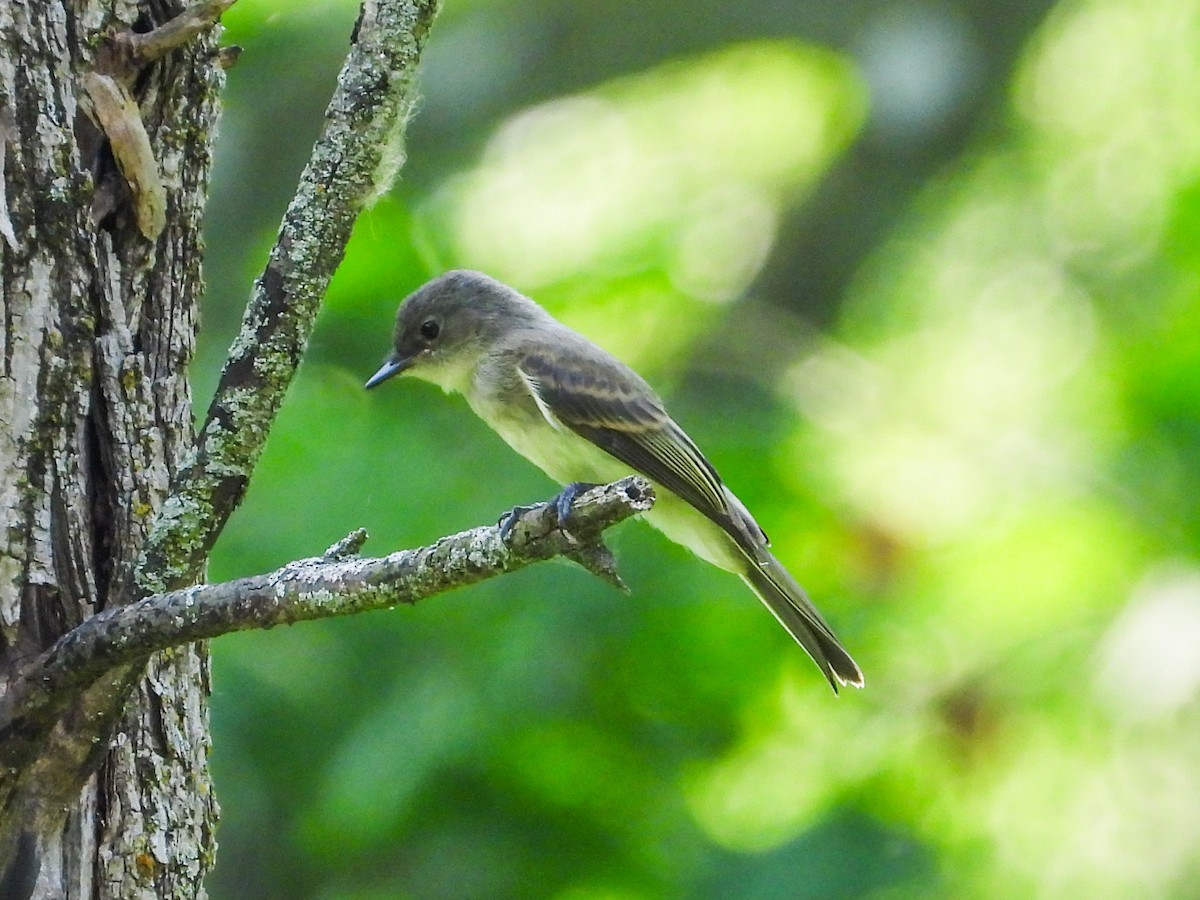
(789,604)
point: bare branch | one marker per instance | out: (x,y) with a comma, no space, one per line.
(347,546)
(334,584)
(117,114)
(145,48)
(111,104)
(351,162)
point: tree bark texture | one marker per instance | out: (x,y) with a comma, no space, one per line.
(107,115)
(98,326)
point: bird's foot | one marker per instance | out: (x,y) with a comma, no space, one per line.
(562,509)
(508,521)
(566,497)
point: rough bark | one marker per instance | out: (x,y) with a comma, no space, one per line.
(98,329)
(107,144)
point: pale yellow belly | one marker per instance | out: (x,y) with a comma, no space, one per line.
(567,457)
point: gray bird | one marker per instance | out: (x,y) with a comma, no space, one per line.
(583,417)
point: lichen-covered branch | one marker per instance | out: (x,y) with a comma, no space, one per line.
(354,159)
(97,333)
(335,584)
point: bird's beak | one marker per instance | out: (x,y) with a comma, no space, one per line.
(387,370)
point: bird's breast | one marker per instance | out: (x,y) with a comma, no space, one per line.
(559,452)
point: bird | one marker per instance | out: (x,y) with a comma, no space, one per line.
(584,417)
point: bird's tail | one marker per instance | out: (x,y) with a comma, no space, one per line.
(790,605)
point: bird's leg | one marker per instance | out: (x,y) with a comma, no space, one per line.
(562,503)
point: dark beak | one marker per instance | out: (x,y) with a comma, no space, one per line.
(387,370)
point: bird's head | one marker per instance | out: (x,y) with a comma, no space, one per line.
(445,326)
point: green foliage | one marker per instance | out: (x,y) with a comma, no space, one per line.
(982,465)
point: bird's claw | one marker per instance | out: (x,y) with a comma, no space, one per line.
(562,509)
(508,521)
(566,497)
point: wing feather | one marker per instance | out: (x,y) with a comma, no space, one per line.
(611,406)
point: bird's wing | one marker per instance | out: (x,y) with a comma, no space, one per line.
(609,405)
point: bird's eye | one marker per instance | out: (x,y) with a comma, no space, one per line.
(430,329)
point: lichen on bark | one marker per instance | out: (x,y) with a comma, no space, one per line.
(97,329)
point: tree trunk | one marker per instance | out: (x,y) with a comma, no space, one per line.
(97,331)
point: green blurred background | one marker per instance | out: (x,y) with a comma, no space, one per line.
(922,279)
